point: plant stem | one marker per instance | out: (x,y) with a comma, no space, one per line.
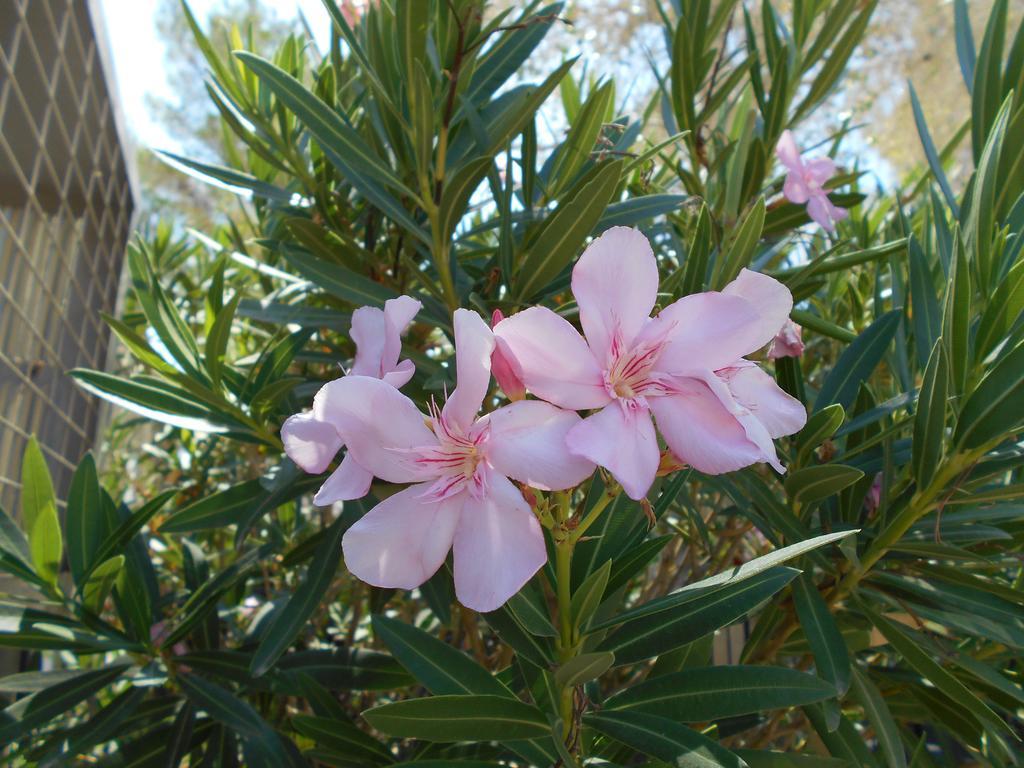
(566,646)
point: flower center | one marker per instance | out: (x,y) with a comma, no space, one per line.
(629,377)
(459,460)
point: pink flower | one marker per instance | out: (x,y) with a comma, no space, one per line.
(805,180)
(503,366)
(788,342)
(312,440)
(462,469)
(715,410)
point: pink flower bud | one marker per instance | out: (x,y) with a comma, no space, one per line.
(504,367)
(788,342)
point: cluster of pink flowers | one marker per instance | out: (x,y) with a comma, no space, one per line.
(685,369)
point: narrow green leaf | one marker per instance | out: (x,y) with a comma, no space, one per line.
(563,232)
(905,643)
(740,245)
(459,718)
(648,636)
(100,581)
(819,427)
(344,737)
(217,339)
(831,659)
(725,578)
(927,315)
(84,519)
(588,596)
(438,666)
(583,668)
(956,317)
(858,362)
(812,484)
(886,730)
(712,693)
(303,602)
(996,407)
(930,419)
(663,739)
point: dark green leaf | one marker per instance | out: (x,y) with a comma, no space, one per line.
(812,484)
(930,419)
(858,362)
(831,658)
(459,718)
(663,739)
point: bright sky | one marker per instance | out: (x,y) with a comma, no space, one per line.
(138,54)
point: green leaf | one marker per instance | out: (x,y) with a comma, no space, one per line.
(886,730)
(927,316)
(996,408)
(930,153)
(236,714)
(583,668)
(712,693)
(831,658)
(812,484)
(303,602)
(12,540)
(725,578)
(85,520)
(38,709)
(588,596)
(459,718)
(339,281)
(457,191)
(128,527)
(46,544)
(574,152)
(220,176)
(342,145)
(36,486)
(629,213)
(767,759)
(563,232)
(663,739)
(858,362)
(100,581)
(217,510)
(529,608)
(343,737)
(438,666)
(1000,312)
(143,396)
(217,339)
(930,419)
(906,643)
(698,254)
(644,637)
(819,427)
(956,317)
(740,246)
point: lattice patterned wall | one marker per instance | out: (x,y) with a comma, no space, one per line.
(66,202)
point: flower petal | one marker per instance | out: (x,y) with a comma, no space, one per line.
(402,541)
(474,344)
(795,188)
(399,376)
(622,440)
(552,358)
(756,391)
(770,298)
(616,284)
(398,314)
(368,332)
(349,481)
(498,547)
(701,431)
(380,425)
(310,442)
(527,443)
(789,153)
(705,331)
(820,169)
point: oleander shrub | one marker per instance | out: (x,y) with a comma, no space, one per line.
(379,361)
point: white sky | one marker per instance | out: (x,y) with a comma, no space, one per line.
(138,54)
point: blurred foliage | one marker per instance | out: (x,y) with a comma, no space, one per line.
(211,623)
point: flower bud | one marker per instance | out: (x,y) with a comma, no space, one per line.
(504,366)
(788,342)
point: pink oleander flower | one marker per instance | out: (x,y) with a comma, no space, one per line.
(312,439)
(716,411)
(805,182)
(788,342)
(503,366)
(461,467)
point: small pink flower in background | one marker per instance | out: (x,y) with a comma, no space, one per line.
(873,498)
(503,366)
(352,10)
(788,342)
(805,182)
(461,467)
(716,411)
(312,440)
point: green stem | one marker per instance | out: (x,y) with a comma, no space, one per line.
(566,646)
